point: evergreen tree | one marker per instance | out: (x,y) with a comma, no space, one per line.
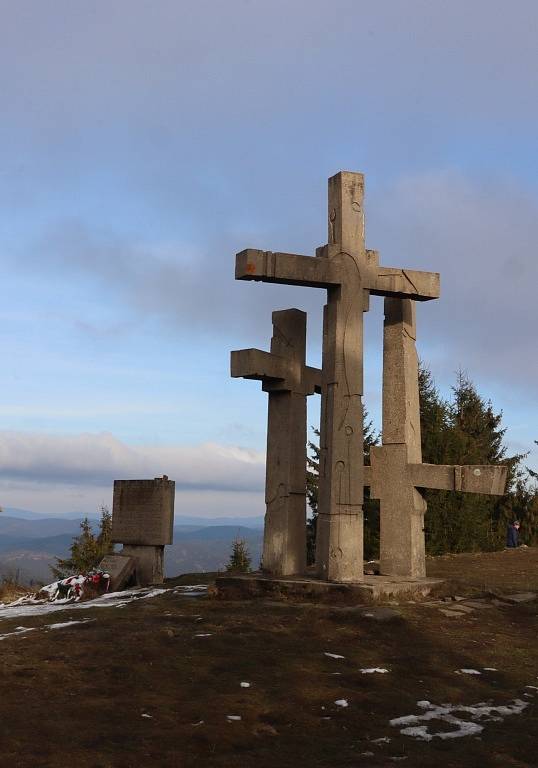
(464,430)
(87,549)
(240,560)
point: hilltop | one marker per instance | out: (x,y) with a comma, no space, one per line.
(167,679)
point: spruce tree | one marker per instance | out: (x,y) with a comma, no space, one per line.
(87,549)
(240,560)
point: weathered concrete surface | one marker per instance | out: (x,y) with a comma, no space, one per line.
(339,541)
(143,521)
(120,569)
(402,546)
(149,563)
(396,470)
(349,272)
(315,590)
(143,511)
(288,381)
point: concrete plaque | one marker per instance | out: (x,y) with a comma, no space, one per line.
(120,569)
(143,511)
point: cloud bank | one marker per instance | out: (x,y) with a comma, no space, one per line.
(98,459)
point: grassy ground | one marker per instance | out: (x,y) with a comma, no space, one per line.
(152,683)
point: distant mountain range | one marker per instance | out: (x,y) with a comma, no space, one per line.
(29,543)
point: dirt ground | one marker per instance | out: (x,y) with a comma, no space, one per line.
(155,682)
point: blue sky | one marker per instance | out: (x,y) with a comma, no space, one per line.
(143,143)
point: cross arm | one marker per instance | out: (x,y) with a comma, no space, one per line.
(270,368)
(256,364)
(288,268)
(475,478)
(404,283)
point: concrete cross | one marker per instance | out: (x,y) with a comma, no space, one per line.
(288,380)
(349,272)
(396,471)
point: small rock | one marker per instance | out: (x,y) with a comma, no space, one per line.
(382,613)
(521,597)
(464,608)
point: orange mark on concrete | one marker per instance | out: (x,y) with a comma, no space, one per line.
(251,268)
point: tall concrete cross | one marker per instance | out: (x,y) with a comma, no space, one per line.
(288,380)
(397,471)
(349,273)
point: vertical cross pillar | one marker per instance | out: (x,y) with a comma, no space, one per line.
(397,472)
(339,545)
(288,380)
(402,519)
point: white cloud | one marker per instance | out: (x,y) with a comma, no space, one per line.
(98,459)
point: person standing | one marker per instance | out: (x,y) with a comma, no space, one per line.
(512,535)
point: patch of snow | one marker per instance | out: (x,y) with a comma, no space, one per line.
(333,655)
(368,615)
(192,590)
(25,606)
(444,712)
(469,671)
(532,687)
(63,624)
(373,670)
(245,685)
(490,669)
(148,716)
(203,634)
(17,631)
(233,718)
(341,703)
(418,732)
(382,740)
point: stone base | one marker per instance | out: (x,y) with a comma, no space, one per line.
(149,563)
(253,585)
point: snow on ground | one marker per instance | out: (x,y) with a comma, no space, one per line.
(30,606)
(194,590)
(468,672)
(17,631)
(334,655)
(341,703)
(63,624)
(373,670)
(482,712)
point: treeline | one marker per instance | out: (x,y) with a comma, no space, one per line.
(463,429)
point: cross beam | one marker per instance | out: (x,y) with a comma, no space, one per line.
(288,381)
(396,471)
(321,272)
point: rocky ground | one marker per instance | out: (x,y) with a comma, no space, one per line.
(171,679)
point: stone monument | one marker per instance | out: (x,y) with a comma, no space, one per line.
(397,471)
(349,273)
(143,521)
(288,381)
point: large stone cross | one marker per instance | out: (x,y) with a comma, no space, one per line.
(349,273)
(288,380)
(397,471)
